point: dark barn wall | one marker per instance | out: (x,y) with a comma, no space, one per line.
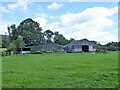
(33,48)
(45,46)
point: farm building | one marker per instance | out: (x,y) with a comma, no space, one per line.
(29,49)
(52,46)
(80,45)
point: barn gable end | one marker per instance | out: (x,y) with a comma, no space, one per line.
(80,45)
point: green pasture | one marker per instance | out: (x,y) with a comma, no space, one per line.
(60,70)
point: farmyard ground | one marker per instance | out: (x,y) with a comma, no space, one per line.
(60,70)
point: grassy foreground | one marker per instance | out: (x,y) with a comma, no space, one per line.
(60,70)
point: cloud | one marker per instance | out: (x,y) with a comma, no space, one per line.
(54,6)
(21,4)
(108,38)
(41,21)
(90,23)
(3,29)
(52,17)
(4,10)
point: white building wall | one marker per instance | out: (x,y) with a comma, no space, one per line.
(25,51)
(77,50)
(91,48)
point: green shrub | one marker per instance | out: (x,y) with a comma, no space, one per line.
(99,50)
(48,49)
(3,53)
(56,50)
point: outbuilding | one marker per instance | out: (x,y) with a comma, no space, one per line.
(80,45)
(29,49)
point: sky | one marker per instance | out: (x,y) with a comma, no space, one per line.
(91,20)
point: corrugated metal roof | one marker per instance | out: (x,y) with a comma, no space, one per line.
(51,46)
(76,41)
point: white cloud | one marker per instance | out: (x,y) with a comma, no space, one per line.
(41,21)
(3,29)
(55,6)
(52,17)
(21,4)
(12,6)
(108,38)
(90,23)
(4,10)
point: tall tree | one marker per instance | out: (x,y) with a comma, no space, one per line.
(16,44)
(19,42)
(29,30)
(5,41)
(12,31)
(48,34)
(12,46)
(71,40)
(60,39)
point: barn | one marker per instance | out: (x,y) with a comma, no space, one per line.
(52,46)
(80,45)
(29,49)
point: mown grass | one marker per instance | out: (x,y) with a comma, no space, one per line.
(60,70)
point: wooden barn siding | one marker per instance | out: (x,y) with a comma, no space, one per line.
(79,44)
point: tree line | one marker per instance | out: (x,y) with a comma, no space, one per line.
(111,46)
(30,33)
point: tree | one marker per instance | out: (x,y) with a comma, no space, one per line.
(15,45)
(5,41)
(13,32)
(71,40)
(29,30)
(95,42)
(19,42)
(112,46)
(12,46)
(99,47)
(60,39)
(48,34)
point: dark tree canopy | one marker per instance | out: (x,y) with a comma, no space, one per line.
(29,30)
(5,41)
(48,34)
(60,39)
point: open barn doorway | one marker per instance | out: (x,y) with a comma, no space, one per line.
(85,48)
(25,50)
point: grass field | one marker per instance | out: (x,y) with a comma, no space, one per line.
(60,70)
